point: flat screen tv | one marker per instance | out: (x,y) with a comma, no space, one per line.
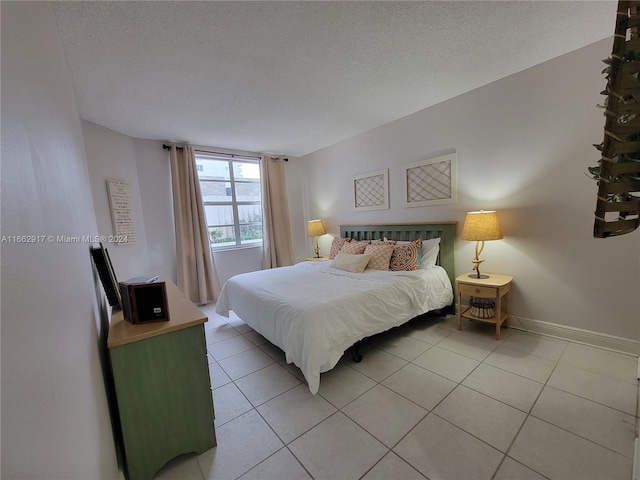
(107,275)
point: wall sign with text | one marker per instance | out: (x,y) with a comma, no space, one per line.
(121,211)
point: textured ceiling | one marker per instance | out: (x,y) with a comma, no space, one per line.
(293,77)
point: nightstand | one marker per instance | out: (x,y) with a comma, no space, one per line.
(496,288)
(315,259)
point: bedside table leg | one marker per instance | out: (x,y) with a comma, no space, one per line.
(498,315)
(459,309)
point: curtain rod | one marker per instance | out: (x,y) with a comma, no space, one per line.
(232,155)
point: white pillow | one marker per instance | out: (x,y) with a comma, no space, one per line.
(350,262)
(430,250)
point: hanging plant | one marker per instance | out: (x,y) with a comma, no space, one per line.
(618,169)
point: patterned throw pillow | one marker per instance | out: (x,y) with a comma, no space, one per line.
(354,248)
(405,256)
(336,245)
(380,255)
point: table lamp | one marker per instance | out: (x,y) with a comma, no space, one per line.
(480,227)
(315,228)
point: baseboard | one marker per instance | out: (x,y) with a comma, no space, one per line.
(588,337)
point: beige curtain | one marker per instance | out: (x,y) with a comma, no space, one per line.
(197,276)
(276,229)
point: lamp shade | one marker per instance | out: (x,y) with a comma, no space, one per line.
(481,226)
(315,228)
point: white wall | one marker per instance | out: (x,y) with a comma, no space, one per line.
(111,155)
(55,420)
(524,144)
(154,181)
(144,165)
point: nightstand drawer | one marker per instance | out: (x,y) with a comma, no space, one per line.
(473,290)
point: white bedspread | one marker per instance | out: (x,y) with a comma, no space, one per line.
(315,312)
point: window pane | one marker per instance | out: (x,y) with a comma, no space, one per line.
(251,233)
(215,191)
(246,171)
(247,192)
(212,169)
(222,236)
(218,215)
(249,214)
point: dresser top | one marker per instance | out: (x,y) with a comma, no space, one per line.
(182,314)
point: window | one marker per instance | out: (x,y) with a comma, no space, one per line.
(232,200)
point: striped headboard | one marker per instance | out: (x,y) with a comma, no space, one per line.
(407,232)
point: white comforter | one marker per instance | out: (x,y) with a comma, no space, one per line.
(315,312)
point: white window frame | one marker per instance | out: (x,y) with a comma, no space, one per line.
(234,203)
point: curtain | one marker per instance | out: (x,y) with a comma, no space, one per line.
(197,276)
(276,229)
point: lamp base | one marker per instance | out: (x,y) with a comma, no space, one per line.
(475,275)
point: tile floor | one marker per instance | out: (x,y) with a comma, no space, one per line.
(427,401)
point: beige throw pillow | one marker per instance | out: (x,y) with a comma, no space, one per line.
(351,263)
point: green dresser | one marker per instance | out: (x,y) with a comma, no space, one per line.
(161,377)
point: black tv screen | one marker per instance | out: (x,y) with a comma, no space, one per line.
(101,259)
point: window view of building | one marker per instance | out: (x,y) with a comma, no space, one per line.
(232,200)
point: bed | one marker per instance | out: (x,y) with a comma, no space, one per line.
(315,312)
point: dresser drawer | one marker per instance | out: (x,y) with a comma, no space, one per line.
(473,290)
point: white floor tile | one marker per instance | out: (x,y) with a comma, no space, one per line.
(446,363)
(470,346)
(245,363)
(392,467)
(512,470)
(442,451)
(282,465)
(521,363)
(512,389)
(419,385)
(378,365)
(219,333)
(266,383)
(545,347)
(603,362)
(242,444)
(556,453)
(448,403)
(255,338)
(598,388)
(273,351)
(295,412)
(337,448)
(406,348)
(490,420)
(228,347)
(229,403)
(217,376)
(385,414)
(433,333)
(184,467)
(343,384)
(600,424)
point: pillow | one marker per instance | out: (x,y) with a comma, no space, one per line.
(336,245)
(351,263)
(430,250)
(405,257)
(354,248)
(380,255)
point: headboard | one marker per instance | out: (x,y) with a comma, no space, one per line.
(407,232)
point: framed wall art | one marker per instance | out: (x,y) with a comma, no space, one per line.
(121,211)
(431,182)
(371,190)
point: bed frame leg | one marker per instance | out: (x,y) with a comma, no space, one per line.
(355,352)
